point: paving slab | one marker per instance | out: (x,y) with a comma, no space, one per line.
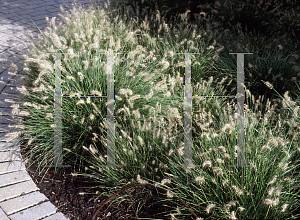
(22,202)
(34,213)
(11,155)
(3,216)
(5,112)
(20,198)
(11,166)
(18,189)
(10,89)
(8,119)
(56,216)
(12,145)
(3,48)
(13,177)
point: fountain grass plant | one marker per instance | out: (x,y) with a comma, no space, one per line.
(149,116)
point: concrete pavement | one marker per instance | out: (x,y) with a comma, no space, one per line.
(20,198)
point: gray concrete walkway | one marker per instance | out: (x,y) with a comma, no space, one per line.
(20,198)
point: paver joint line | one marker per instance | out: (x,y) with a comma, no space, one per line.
(20,198)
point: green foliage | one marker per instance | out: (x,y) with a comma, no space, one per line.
(149,89)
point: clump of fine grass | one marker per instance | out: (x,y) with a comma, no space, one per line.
(82,69)
(274,59)
(149,112)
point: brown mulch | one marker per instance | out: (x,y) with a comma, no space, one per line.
(62,189)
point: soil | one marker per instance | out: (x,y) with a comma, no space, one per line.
(62,189)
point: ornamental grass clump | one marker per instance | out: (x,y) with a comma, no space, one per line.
(149,116)
(147,89)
